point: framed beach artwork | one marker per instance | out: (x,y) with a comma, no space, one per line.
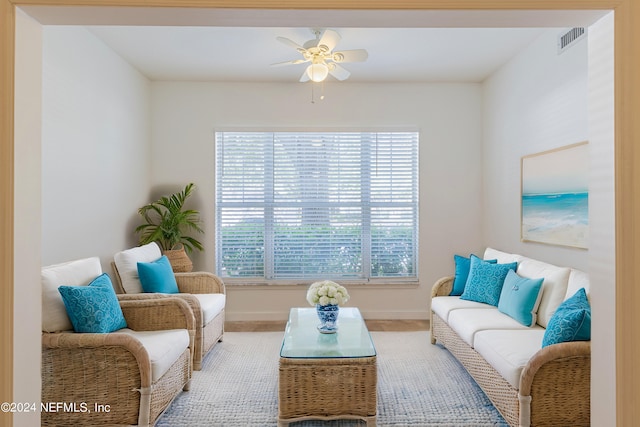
(555,196)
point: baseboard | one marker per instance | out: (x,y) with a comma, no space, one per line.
(254,316)
(395,315)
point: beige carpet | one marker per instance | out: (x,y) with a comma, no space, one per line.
(419,384)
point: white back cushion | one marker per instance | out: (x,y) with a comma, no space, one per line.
(127,265)
(502,257)
(73,273)
(554,286)
(577,279)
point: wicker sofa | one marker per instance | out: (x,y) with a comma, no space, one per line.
(529,384)
(125,377)
(203,291)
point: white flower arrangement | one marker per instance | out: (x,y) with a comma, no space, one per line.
(327,292)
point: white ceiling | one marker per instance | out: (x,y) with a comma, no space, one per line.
(240,44)
(245,54)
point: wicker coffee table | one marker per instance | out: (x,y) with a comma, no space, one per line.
(327,376)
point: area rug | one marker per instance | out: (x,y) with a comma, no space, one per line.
(419,384)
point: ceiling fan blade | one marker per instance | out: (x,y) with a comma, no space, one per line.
(355,55)
(329,40)
(338,72)
(304,78)
(293,62)
(291,43)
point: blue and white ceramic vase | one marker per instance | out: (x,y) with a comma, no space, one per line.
(328,315)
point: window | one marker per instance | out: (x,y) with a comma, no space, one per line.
(310,205)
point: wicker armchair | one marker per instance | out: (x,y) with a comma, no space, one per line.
(126,377)
(203,291)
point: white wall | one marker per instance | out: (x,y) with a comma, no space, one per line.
(82,169)
(26,293)
(536,102)
(95,147)
(602,222)
(185,116)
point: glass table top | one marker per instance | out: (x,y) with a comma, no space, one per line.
(303,340)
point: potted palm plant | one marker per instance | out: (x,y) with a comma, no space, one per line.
(167,223)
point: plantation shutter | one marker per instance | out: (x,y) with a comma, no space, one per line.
(307,205)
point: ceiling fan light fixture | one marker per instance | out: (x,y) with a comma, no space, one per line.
(321,57)
(317,72)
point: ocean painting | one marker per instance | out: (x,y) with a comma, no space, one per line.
(555,196)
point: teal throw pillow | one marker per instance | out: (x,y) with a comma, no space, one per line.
(485,281)
(570,322)
(463,264)
(157,276)
(520,298)
(93,308)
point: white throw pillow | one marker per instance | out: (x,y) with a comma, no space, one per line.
(127,265)
(73,273)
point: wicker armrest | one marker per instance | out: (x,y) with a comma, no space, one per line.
(442,287)
(576,352)
(195,306)
(157,313)
(95,344)
(200,282)
(193,302)
(141,296)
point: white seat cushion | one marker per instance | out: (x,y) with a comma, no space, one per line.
(127,265)
(554,286)
(73,273)
(467,322)
(164,347)
(509,351)
(442,306)
(211,305)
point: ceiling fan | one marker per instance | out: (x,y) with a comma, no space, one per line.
(324,61)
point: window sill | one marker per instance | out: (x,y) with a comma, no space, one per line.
(291,284)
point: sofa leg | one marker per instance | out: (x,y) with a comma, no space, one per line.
(187,386)
(525,410)
(433,339)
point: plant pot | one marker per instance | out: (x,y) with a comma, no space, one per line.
(180,261)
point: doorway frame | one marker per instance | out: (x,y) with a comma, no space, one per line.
(627,181)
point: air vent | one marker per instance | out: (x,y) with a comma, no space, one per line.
(569,38)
